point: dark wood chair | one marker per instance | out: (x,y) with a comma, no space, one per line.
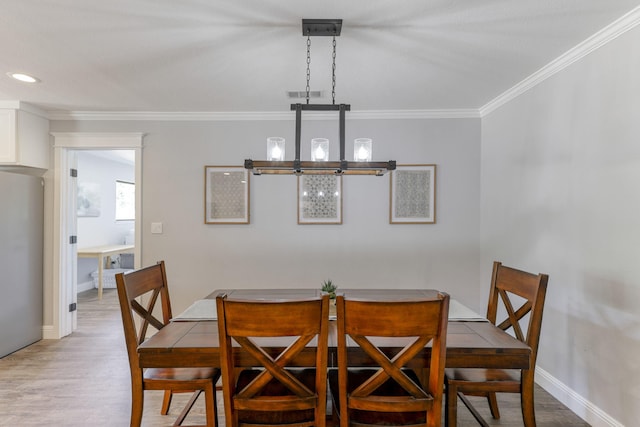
(514,288)
(150,283)
(286,387)
(391,393)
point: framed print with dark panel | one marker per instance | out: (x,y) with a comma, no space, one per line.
(319,199)
(226,195)
(413,194)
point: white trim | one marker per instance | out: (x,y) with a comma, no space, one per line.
(169,116)
(63,322)
(602,37)
(10,104)
(582,407)
(415,114)
(48,333)
(264,115)
(91,140)
(24,106)
(85,286)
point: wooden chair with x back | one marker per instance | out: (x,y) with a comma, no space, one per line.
(514,288)
(391,393)
(286,387)
(150,283)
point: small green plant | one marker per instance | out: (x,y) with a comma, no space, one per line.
(329,288)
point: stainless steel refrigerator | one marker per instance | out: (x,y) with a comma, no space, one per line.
(21,258)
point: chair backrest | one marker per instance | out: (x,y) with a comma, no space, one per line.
(530,290)
(286,327)
(150,282)
(374,326)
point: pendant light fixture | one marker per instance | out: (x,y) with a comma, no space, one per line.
(319,163)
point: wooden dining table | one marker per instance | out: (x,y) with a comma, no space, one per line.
(470,343)
(101,253)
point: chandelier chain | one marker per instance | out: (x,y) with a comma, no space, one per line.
(308,63)
(333,72)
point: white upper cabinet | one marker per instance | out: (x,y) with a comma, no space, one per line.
(24,136)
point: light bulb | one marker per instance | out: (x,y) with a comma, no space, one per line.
(276,152)
(319,149)
(362,150)
(362,154)
(275,149)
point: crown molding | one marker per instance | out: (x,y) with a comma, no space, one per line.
(602,37)
(97,140)
(257,115)
(467,113)
(24,106)
(167,116)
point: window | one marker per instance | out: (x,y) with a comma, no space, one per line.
(125,201)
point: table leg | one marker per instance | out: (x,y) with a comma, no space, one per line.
(100,271)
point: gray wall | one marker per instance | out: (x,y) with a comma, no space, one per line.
(274,251)
(560,175)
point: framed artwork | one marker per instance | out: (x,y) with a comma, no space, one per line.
(88,199)
(226,195)
(413,194)
(319,199)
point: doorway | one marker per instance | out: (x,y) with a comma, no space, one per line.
(65,285)
(105,214)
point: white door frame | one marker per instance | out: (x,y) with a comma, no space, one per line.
(64,274)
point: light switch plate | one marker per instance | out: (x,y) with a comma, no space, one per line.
(156,228)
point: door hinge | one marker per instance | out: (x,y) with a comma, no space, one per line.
(73,240)
(73,173)
(72,307)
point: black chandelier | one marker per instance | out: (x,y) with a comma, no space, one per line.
(319,163)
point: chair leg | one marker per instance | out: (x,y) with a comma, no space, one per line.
(211,406)
(473,410)
(526,399)
(451,406)
(166,402)
(434,418)
(187,408)
(493,405)
(137,405)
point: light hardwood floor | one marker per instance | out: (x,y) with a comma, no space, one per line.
(83,380)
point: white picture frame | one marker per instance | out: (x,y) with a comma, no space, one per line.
(413,194)
(226,195)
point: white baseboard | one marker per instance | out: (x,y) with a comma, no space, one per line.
(48,333)
(85,286)
(585,409)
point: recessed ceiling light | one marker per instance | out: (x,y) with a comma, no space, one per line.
(23,77)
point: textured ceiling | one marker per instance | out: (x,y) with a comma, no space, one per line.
(244,55)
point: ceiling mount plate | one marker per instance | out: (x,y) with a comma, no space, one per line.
(321,27)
